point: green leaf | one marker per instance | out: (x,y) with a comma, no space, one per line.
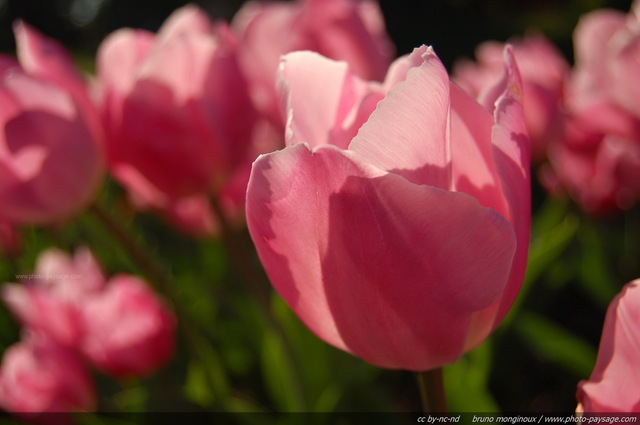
(280,376)
(551,236)
(206,376)
(467,382)
(597,276)
(555,344)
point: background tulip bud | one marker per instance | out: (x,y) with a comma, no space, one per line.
(51,298)
(614,385)
(598,157)
(51,158)
(177,112)
(544,72)
(129,332)
(348,30)
(40,376)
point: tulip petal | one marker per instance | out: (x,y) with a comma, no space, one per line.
(188,19)
(49,163)
(324,102)
(625,68)
(592,34)
(120,57)
(511,151)
(129,331)
(45,58)
(353,32)
(180,63)
(472,166)
(408,133)
(371,262)
(614,383)
(38,376)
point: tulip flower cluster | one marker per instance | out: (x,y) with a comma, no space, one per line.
(72,317)
(584,120)
(388,202)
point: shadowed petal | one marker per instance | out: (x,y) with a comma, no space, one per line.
(372,263)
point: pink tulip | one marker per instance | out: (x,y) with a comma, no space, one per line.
(607,48)
(119,325)
(598,158)
(10,242)
(176,109)
(52,298)
(598,167)
(406,245)
(51,159)
(40,376)
(614,385)
(129,332)
(544,72)
(347,30)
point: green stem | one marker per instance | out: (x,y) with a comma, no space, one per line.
(432,394)
(257,281)
(135,250)
(159,278)
(242,264)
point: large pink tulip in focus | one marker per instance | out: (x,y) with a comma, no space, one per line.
(401,235)
(544,72)
(177,113)
(598,160)
(119,325)
(51,157)
(346,30)
(40,376)
(614,385)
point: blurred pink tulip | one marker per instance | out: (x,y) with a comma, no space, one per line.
(614,385)
(346,30)
(407,244)
(51,158)
(176,109)
(129,332)
(598,159)
(544,72)
(10,241)
(40,376)
(52,298)
(598,167)
(120,326)
(607,48)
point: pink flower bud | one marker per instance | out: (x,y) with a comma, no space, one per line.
(38,376)
(177,112)
(51,158)
(347,30)
(544,73)
(597,161)
(10,242)
(51,298)
(614,385)
(129,331)
(120,326)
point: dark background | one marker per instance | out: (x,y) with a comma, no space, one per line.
(453,27)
